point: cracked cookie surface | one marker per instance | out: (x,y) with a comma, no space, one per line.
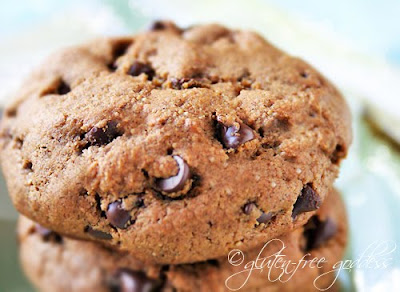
(175,145)
(55,263)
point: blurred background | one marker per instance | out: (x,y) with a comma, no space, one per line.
(355,43)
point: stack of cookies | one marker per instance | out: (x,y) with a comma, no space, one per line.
(199,159)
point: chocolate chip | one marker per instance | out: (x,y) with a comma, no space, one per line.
(126,280)
(164,25)
(308,201)
(138,68)
(59,87)
(139,203)
(97,233)
(244,75)
(112,66)
(232,137)
(117,215)
(157,25)
(248,208)
(63,88)
(261,132)
(318,232)
(27,165)
(47,234)
(265,217)
(338,154)
(186,83)
(304,74)
(177,182)
(119,49)
(11,112)
(101,136)
(214,263)
(176,83)
(98,205)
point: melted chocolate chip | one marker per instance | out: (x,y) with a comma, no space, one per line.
(47,234)
(265,217)
(248,208)
(97,233)
(177,182)
(308,201)
(101,136)
(138,68)
(232,137)
(117,215)
(126,280)
(318,232)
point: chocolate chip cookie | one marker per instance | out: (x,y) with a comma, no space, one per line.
(176,145)
(56,263)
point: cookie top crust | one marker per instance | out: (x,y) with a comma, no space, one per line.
(58,263)
(175,145)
